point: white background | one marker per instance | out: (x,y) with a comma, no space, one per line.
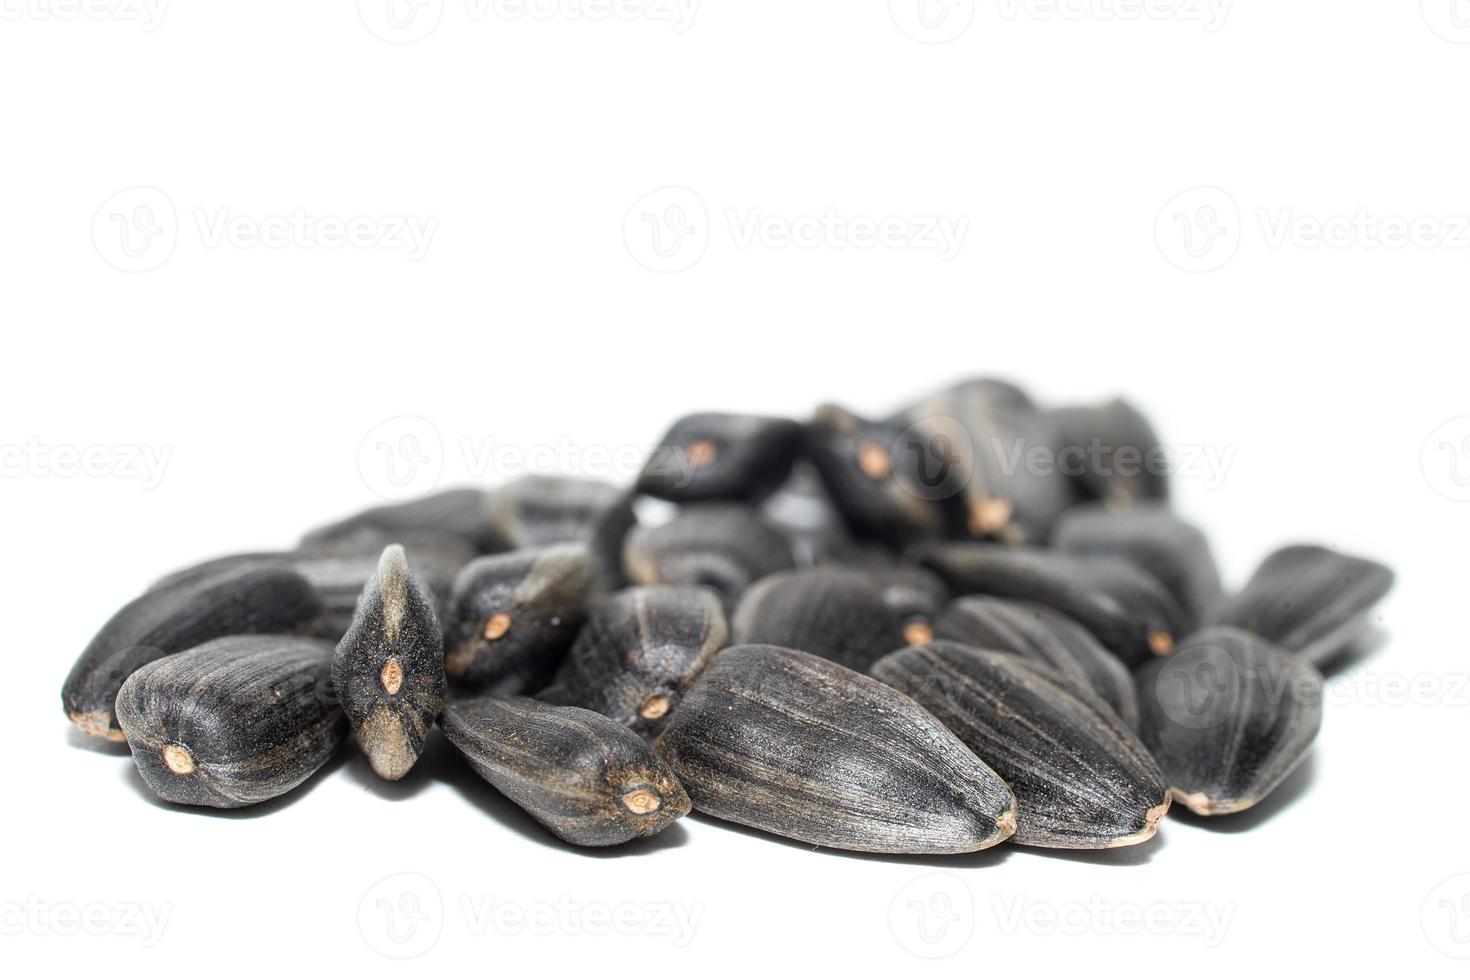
(532,324)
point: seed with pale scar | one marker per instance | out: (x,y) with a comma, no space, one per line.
(178,759)
(497,626)
(392,675)
(875,461)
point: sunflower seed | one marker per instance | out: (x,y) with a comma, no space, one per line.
(513,617)
(796,745)
(1110,452)
(1311,600)
(1044,636)
(1081,778)
(169,620)
(832,612)
(724,547)
(1126,608)
(584,777)
(389,668)
(641,648)
(1153,538)
(718,456)
(1228,717)
(459,513)
(535,511)
(234,721)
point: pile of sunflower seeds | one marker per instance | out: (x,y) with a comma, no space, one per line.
(879,635)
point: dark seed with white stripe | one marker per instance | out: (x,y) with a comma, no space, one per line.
(389,668)
(799,746)
(513,617)
(1311,600)
(640,650)
(1081,778)
(1127,609)
(1228,717)
(1044,636)
(831,612)
(173,619)
(584,777)
(234,721)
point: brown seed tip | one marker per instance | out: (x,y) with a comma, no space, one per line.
(655,707)
(1005,824)
(990,515)
(701,452)
(874,461)
(178,759)
(915,634)
(97,723)
(641,801)
(1161,643)
(392,675)
(497,626)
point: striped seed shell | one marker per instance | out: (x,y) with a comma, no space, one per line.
(912,593)
(1127,609)
(1110,453)
(389,668)
(640,650)
(830,611)
(1152,537)
(1311,600)
(173,619)
(982,431)
(720,456)
(1081,778)
(587,779)
(724,547)
(1228,717)
(869,481)
(534,511)
(1043,636)
(799,746)
(512,617)
(232,722)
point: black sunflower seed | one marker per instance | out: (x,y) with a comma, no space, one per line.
(534,511)
(1153,538)
(799,746)
(586,778)
(173,619)
(719,456)
(1311,600)
(513,617)
(832,612)
(458,513)
(1228,717)
(640,650)
(1041,635)
(1110,453)
(724,547)
(389,668)
(1127,609)
(234,721)
(1081,778)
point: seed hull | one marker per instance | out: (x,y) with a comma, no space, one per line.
(835,613)
(798,746)
(719,456)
